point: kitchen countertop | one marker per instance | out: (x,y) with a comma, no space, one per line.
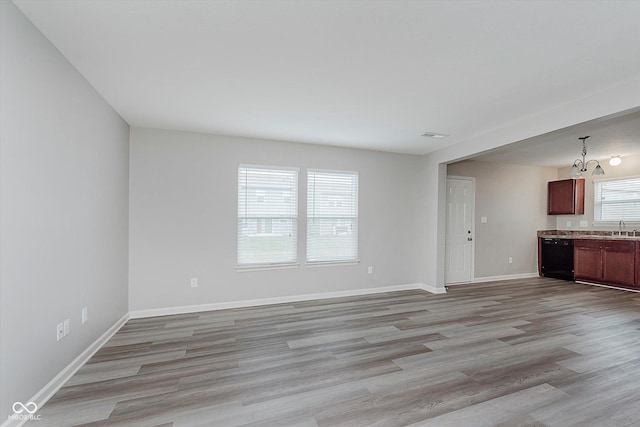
(589,235)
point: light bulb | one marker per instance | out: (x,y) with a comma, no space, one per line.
(615,160)
(575,172)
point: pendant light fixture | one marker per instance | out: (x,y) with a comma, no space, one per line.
(580,166)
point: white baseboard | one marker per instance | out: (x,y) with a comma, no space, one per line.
(63,376)
(504,277)
(431,289)
(138,314)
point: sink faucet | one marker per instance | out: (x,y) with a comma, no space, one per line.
(621,225)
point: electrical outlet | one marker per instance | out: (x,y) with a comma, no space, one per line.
(194,282)
(370,269)
(66,327)
(584,223)
(510,260)
(84,315)
(568,223)
(59,331)
(483,219)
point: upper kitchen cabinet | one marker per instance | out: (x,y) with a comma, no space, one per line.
(566,197)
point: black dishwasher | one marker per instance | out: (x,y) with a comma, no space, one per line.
(557,258)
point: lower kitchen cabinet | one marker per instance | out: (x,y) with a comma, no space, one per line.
(609,262)
(637,264)
(618,263)
(587,260)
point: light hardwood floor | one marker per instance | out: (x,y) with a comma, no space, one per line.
(534,352)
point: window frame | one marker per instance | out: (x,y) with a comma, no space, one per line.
(268,264)
(597,204)
(355,218)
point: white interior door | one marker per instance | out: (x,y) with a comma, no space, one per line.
(459,232)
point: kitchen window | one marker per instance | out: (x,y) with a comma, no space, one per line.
(332,216)
(617,200)
(267,216)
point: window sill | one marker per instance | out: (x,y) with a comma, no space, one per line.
(260,267)
(331,263)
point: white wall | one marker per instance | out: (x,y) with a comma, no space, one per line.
(183,207)
(513,198)
(64,202)
(630,167)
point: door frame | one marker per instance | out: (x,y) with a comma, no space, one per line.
(473,227)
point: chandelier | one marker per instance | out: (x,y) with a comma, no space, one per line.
(580,166)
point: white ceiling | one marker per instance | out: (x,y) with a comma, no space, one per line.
(364,74)
(618,135)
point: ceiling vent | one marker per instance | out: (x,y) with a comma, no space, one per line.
(434,135)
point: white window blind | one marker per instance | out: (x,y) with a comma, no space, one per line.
(267,215)
(332,216)
(617,200)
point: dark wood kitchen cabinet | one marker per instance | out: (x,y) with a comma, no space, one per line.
(587,260)
(618,266)
(566,197)
(609,262)
(637,264)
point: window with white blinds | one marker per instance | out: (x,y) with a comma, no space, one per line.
(332,216)
(267,215)
(617,200)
